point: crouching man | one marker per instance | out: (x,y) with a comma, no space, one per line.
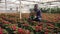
(38,13)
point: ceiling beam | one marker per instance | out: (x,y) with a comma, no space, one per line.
(40,2)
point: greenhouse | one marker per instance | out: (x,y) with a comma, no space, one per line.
(29,16)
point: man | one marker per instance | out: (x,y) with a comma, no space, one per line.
(38,13)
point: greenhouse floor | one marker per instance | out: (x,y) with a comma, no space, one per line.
(11,24)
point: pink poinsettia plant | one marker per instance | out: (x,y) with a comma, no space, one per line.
(1,30)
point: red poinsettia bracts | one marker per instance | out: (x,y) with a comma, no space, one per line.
(38,27)
(5,22)
(46,33)
(27,32)
(25,24)
(20,31)
(1,30)
(14,27)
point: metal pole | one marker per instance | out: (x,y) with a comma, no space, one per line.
(20,9)
(5,5)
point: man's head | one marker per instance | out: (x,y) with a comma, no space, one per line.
(36,6)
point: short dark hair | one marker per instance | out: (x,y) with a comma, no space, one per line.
(36,5)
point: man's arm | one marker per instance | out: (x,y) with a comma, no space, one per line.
(40,13)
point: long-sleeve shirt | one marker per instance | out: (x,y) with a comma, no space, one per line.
(38,13)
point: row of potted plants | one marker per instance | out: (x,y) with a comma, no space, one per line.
(26,27)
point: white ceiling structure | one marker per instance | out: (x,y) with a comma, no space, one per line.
(27,4)
(24,5)
(41,3)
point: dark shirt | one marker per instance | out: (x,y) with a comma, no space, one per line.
(38,12)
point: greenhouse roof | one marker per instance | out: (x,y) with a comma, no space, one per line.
(16,3)
(47,2)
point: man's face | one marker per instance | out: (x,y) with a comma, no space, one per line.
(36,6)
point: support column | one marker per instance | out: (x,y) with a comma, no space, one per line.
(5,5)
(20,9)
